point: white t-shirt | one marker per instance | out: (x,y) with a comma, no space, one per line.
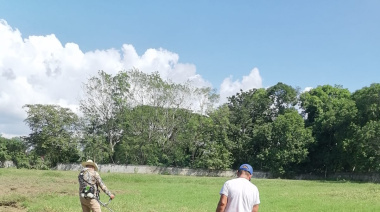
(241,194)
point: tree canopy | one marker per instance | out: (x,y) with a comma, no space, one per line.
(138,118)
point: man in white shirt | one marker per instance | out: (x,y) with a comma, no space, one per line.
(239,194)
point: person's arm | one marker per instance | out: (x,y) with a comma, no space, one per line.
(103,186)
(255,208)
(222,203)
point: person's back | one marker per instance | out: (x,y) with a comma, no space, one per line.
(89,181)
(241,195)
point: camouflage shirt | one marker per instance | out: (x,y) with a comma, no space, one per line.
(89,176)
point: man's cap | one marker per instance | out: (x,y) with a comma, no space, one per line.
(246,167)
(91,163)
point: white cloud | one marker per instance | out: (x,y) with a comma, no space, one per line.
(229,87)
(40,70)
(307,89)
(163,61)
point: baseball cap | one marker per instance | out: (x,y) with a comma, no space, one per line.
(246,167)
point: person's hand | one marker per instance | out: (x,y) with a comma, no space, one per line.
(112,196)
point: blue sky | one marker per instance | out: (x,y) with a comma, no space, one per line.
(300,43)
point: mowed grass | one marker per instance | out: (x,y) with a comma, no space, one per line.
(57,191)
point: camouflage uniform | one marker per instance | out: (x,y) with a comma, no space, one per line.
(93,178)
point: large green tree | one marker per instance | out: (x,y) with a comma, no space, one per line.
(219,149)
(159,111)
(103,107)
(252,113)
(367,101)
(364,148)
(4,153)
(54,133)
(283,97)
(247,110)
(329,111)
(151,137)
(288,143)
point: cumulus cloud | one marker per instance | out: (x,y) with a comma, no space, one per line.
(42,70)
(307,89)
(230,87)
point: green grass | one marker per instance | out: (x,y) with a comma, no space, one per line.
(57,191)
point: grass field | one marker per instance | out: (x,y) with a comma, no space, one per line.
(57,191)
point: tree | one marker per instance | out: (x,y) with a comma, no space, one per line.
(364,148)
(144,142)
(367,101)
(288,144)
(218,151)
(252,112)
(152,90)
(283,97)
(159,111)
(54,132)
(103,108)
(247,111)
(4,153)
(329,111)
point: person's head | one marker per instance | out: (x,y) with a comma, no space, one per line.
(90,164)
(245,170)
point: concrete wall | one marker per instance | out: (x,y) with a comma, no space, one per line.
(160,170)
(365,177)
(7,164)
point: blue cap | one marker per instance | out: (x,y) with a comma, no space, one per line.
(246,167)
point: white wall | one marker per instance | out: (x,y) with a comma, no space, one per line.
(160,170)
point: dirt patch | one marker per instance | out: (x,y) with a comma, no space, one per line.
(11,209)
(11,206)
(17,189)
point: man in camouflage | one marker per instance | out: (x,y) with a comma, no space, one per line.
(89,183)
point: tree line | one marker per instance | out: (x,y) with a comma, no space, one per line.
(141,119)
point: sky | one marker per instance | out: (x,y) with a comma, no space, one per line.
(48,49)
